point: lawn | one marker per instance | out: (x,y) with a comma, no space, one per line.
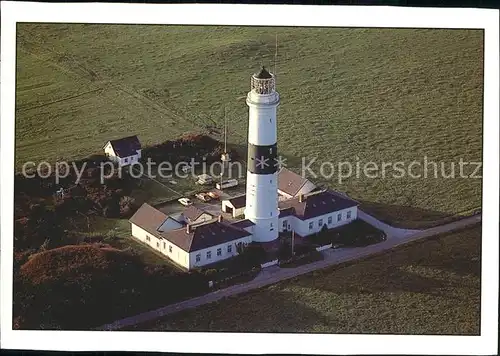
(427,287)
(117,233)
(382,95)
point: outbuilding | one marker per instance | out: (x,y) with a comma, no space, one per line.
(234,206)
(291,184)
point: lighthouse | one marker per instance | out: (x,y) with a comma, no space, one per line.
(262,167)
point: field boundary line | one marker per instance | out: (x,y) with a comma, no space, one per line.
(22,109)
(160,183)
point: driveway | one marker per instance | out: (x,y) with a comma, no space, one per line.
(388,229)
(274,274)
(212,207)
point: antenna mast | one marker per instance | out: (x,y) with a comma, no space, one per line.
(225,158)
(276,55)
(225,130)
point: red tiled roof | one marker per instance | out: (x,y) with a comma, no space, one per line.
(290,182)
(205,235)
(148,218)
(200,236)
(317,204)
(286,212)
(243,223)
(192,213)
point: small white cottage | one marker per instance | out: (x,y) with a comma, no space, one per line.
(123,151)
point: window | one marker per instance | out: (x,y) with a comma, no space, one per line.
(209,255)
(320,222)
(339,217)
(148,238)
(164,245)
(125,160)
(285,224)
(311,225)
(330,220)
(219,252)
(349,214)
(157,245)
(198,257)
(229,248)
(170,248)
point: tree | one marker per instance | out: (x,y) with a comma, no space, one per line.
(127,206)
(111,209)
(285,250)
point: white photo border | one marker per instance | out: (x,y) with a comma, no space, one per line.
(274,15)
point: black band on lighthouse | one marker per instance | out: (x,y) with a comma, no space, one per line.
(262,159)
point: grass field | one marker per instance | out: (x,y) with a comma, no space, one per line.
(118,236)
(427,287)
(369,94)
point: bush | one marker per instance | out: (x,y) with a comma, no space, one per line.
(250,256)
(92,239)
(111,209)
(127,206)
(303,249)
(63,287)
(299,260)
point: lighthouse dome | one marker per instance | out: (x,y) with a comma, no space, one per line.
(263,82)
(263,74)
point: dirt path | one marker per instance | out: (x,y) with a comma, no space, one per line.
(274,274)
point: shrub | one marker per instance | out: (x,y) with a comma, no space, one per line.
(250,256)
(111,208)
(127,206)
(303,249)
(73,278)
(285,250)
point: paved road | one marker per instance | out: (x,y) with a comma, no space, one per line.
(389,230)
(271,275)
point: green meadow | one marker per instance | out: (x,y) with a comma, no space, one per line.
(381,95)
(427,287)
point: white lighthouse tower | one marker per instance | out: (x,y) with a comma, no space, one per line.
(262,177)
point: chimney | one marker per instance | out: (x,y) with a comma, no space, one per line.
(301,198)
(219,218)
(188,229)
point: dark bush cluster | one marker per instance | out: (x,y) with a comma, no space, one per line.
(249,259)
(85,286)
(201,148)
(82,286)
(356,234)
